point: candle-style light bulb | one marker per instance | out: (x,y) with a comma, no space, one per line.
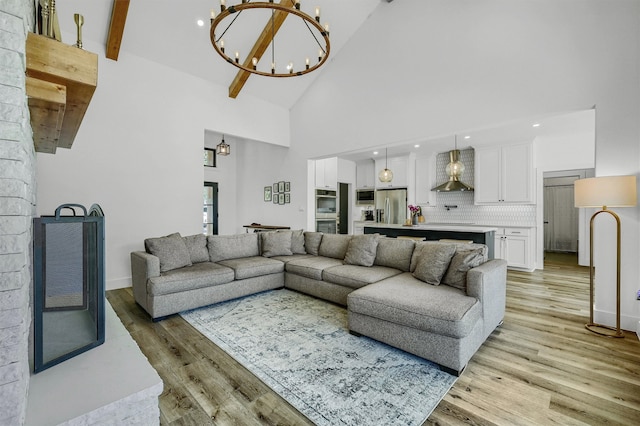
(273,67)
(317,14)
(223,5)
(320,53)
(222,45)
(306,63)
(213,15)
(326,28)
(290,67)
(254,61)
(237,56)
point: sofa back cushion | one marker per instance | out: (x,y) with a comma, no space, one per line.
(170,250)
(394,253)
(197,246)
(433,261)
(276,243)
(312,242)
(222,247)
(334,245)
(297,242)
(464,259)
(361,250)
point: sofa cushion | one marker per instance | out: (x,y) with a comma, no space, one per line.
(222,247)
(312,242)
(276,243)
(354,276)
(433,262)
(294,256)
(394,253)
(170,250)
(311,267)
(462,261)
(199,275)
(406,301)
(334,245)
(249,267)
(361,250)
(197,246)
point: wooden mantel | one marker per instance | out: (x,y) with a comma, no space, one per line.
(60,82)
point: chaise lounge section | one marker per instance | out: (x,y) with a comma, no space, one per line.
(439,301)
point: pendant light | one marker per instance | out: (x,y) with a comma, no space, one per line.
(222,148)
(385,175)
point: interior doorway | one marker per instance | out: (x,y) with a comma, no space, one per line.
(210,209)
(343,208)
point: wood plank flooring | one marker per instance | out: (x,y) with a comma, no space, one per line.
(541,367)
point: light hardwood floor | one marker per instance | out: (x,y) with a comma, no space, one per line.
(540,367)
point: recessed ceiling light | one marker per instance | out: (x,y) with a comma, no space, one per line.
(416,146)
(536,125)
(375,152)
(467,137)
(200,22)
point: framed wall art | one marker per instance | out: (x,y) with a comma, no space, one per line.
(267,193)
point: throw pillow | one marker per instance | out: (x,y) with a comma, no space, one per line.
(334,245)
(361,250)
(394,253)
(461,262)
(297,242)
(197,246)
(171,250)
(312,242)
(276,244)
(433,262)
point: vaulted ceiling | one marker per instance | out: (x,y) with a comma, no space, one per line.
(166,32)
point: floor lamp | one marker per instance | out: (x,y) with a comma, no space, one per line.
(604,192)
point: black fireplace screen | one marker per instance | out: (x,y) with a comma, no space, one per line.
(68,255)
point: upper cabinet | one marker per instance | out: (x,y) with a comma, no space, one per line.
(400,168)
(327,173)
(365,174)
(504,174)
(60,82)
(425,180)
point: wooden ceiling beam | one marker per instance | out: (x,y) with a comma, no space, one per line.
(260,46)
(116,28)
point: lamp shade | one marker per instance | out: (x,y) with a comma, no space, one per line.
(609,191)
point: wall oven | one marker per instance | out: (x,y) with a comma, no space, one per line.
(326,211)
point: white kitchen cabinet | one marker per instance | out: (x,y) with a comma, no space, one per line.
(365,174)
(399,166)
(425,180)
(327,173)
(504,174)
(358,228)
(515,246)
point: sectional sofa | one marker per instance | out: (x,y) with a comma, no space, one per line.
(436,300)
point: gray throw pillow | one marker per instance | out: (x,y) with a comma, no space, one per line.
(197,246)
(312,242)
(394,253)
(461,262)
(433,262)
(276,244)
(361,250)
(170,250)
(297,242)
(334,245)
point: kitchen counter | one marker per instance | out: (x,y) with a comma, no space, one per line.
(438,231)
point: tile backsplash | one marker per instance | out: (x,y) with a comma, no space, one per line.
(465,210)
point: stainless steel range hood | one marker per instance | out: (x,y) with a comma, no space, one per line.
(455,169)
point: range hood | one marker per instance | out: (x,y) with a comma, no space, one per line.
(454,170)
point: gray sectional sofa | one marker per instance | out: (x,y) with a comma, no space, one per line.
(436,300)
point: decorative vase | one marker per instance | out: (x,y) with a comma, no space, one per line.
(414,219)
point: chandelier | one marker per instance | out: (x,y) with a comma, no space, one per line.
(250,62)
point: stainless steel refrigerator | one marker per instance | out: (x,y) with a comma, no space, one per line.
(393,204)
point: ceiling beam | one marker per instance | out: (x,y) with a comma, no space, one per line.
(116,28)
(260,46)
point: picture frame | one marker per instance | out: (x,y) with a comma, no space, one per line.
(267,193)
(281,186)
(275,198)
(209,157)
(275,188)
(287,198)
(287,186)
(281,198)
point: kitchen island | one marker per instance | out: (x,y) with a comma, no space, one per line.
(438,231)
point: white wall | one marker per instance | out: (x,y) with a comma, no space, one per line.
(442,65)
(139,154)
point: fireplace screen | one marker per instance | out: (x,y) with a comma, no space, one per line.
(68,284)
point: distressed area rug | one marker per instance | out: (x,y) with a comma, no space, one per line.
(301,348)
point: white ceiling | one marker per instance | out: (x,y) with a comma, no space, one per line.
(165,31)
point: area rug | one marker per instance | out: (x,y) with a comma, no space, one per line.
(301,348)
